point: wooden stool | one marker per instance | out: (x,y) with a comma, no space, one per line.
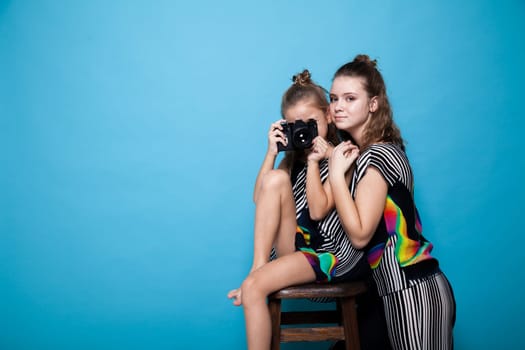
(345,316)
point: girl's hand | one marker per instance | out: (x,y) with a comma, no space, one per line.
(319,150)
(276,135)
(342,157)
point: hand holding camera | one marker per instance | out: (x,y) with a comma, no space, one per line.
(320,150)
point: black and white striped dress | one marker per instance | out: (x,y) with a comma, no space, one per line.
(327,235)
(418,299)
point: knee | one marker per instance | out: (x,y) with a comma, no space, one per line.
(275,179)
(252,291)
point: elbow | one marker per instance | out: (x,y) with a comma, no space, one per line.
(358,238)
(359,242)
(317,215)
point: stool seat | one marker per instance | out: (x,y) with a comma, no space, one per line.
(319,290)
(344,317)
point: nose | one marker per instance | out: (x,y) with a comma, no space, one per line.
(338,106)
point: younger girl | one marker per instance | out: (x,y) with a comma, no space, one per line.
(294,215)
(378,212)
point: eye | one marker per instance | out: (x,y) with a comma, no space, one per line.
(350,98)
(333,99)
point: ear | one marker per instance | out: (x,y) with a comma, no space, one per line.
(328,116)
(373,105)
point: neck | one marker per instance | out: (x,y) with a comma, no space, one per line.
(358,132)
(357,136)
(358,140)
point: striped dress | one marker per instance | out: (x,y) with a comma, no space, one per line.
(324,242)
(419,303)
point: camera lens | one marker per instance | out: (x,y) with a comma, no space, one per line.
(302,136)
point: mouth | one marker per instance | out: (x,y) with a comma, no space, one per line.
(339,118)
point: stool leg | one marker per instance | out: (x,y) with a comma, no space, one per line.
(349,319)
(275,314)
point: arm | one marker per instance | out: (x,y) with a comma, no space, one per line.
(274,135)
(318,195)
(361,216)
(267,165)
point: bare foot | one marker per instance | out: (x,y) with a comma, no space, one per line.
(236,296)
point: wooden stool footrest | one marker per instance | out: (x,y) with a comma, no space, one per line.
(312,334)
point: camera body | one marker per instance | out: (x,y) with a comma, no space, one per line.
(300,135)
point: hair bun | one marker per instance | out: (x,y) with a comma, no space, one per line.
(303,78)
(366,60)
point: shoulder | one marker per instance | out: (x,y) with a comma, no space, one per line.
(388,158)
(384,152)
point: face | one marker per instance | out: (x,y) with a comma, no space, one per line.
(305,111)
(350,106)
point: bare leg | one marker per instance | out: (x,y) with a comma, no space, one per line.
(288,270)
(275,222)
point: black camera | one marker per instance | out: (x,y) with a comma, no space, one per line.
(300,135)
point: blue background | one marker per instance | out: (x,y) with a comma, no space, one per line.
(131,133)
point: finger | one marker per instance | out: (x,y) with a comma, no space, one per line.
(343,147)
(336,151)
(275,128)
(232,293)
(350,151)
(278,124)
(278,134)
(319,140)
